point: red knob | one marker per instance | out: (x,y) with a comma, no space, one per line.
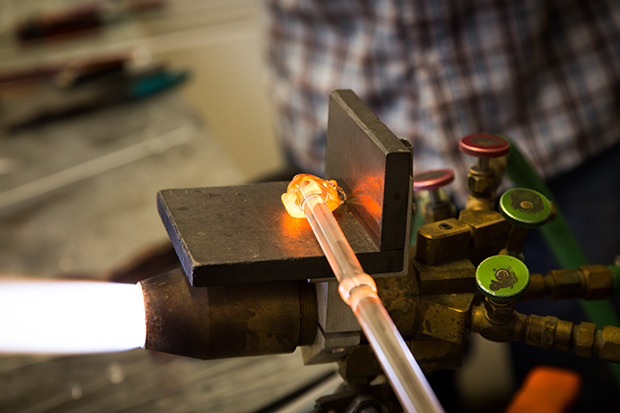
(484,146)
(433,179)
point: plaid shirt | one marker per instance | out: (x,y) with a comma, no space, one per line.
(547,73)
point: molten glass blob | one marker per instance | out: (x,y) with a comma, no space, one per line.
(304,186)
(68,317)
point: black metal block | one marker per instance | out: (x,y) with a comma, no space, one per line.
(373,166)
(243,234)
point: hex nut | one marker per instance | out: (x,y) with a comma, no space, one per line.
(499,313)
(566,283)
(563,332)
(610,344)
(584,339)
(599,282)
(481,184)
(439,212)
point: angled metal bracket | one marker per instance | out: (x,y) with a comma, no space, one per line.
(242,234)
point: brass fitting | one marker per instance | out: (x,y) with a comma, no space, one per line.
(516,241)
(589,282)
(564,284)
(537,290)
(482,183)
(606,343)
(551,334)
(442,242)
(499,313)
(609,344)
(501,333)
(474,203)
(439,211)
(599,282)
(484,177)
(488,227)
(584,337)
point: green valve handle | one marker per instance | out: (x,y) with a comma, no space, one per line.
(525,208)
(502,278)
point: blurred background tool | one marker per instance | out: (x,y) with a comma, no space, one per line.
(81,19)
(17,83)
(110,89)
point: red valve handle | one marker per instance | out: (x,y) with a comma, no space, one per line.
(433,179)
(484,146)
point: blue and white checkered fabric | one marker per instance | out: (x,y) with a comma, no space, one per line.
(545,72)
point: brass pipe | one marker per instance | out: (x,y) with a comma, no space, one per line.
(551,334)
(588,282)
(537,289)
(499,313)
(516,241)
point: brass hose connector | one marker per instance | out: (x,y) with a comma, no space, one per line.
(550,333)
(588,282)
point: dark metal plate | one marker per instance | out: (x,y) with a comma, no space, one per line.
(243,234)
(373,166)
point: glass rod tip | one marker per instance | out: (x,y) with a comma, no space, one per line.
(305,186)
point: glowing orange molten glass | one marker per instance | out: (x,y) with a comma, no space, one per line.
(306,186)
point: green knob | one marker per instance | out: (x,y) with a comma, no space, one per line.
(525,208)
(502,278)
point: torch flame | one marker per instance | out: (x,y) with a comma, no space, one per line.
(70,317)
